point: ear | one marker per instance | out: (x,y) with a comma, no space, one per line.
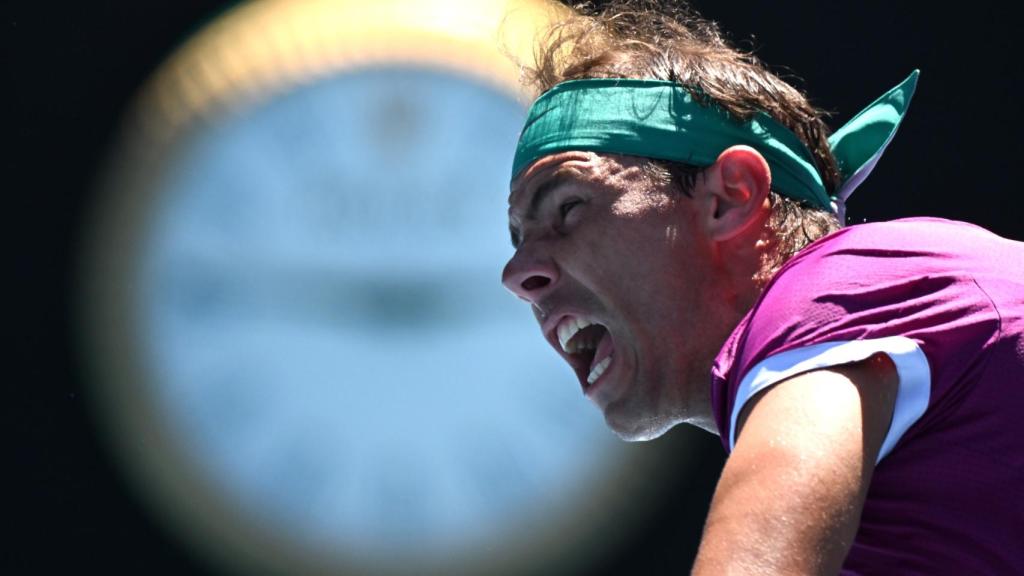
(738,188)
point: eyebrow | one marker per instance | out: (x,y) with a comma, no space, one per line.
(539,195)
(543,190)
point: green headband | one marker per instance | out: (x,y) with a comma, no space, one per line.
(662,120)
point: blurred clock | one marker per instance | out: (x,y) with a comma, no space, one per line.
(294,307)
(320,301)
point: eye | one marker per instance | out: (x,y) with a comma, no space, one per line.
(565,207)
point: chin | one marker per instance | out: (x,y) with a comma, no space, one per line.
(636,428)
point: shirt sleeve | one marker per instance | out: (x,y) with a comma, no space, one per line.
(911,365)
(844,300)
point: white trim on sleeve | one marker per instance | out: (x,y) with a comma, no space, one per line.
(911,365)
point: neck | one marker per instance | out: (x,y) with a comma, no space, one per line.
(737,286)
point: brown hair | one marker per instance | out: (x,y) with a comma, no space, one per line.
(669,41)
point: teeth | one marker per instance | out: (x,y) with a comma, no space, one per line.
(567,329)
(598,369)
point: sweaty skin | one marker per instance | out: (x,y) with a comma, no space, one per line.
(589,231)
(667,276)
(790,496)
(659,280)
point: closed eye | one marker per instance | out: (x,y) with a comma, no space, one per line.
(565,207)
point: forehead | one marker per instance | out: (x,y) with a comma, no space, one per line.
(552,171)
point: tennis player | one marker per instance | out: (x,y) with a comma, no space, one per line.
(677,213)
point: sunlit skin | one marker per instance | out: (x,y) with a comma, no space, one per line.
(668,276)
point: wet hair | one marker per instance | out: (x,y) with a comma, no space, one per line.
(669,41)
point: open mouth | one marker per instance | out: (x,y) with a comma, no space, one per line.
(587,346)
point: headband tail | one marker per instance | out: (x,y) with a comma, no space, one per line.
(859,144)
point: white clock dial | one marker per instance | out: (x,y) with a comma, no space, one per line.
(322,307)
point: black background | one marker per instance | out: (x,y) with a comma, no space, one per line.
(69,70)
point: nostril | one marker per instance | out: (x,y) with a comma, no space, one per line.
(535,282)
(528,276)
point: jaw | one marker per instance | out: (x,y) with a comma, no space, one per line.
(635,414)
(642,402)
(632,410)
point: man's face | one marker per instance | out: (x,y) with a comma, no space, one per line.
(613,266)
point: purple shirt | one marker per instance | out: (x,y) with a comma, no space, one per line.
(945,301)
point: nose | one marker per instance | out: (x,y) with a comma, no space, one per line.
(529,276)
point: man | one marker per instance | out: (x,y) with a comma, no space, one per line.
(676,212)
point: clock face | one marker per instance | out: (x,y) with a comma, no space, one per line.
(320,309)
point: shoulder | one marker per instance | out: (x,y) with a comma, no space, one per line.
(901,288)
(857,282)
